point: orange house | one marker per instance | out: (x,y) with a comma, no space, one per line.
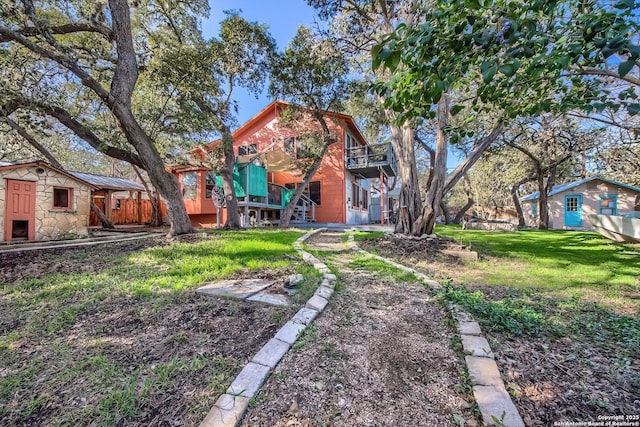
(266,173)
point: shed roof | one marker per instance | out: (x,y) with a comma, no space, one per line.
(569,185)
(108,182)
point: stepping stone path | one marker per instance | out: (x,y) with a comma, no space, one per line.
(245,289)
(378,351)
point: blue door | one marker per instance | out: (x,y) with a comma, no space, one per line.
(573,210)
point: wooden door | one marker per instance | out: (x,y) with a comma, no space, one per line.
(20,207)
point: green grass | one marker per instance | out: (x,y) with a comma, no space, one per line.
(383,269)
(47,309)
(555,284)
(563,261)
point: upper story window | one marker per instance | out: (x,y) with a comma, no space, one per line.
(62,198)
(190,185)
(244,150)
(301,147)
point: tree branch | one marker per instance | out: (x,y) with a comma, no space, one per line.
(61,59)
(477,151)
(75,27)
(32,141)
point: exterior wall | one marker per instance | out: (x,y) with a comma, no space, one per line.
(50,223)
(590,192)
(356,214)
(331,174)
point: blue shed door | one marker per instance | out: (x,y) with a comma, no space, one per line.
(573,210)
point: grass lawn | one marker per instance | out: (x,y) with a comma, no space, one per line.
(563,282)
(559,308)
(114,334)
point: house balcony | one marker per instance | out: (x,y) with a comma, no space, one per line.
(369,161)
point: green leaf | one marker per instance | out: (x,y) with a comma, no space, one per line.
(456,109)
(625,67)
(394,61)
(633,109)
(488,74)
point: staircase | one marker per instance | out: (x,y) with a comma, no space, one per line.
(304,211)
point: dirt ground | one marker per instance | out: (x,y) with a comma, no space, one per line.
(550,379)
(140,361)
(380,354)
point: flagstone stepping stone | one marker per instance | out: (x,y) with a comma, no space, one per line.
(240,289)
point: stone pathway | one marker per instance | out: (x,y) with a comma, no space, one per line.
(381,353)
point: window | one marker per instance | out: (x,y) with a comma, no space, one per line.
(314,192)
(534,207)
(608,204)
(572,204)
(190,185)
(243,150)
(289,146)
(62,198)
(210,183)
(355,195)
(364,200)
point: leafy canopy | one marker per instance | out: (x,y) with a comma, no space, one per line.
(524,57)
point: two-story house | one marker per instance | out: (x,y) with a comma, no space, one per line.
(266,173)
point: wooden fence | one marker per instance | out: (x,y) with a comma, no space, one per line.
(125,211)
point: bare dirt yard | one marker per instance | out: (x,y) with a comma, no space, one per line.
(553,375)
(148,360)
(383,353)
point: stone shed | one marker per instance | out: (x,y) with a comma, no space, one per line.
(40,202)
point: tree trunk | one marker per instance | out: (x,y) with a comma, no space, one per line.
(516,200)
(410,203)
(231,201)
(543,206)
(446,213)
(166,183)
(426,221)
(103,219)
(285,218)
(460,215)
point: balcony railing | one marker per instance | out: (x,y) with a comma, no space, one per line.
(370,160)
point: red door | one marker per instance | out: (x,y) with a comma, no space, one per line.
(20,207)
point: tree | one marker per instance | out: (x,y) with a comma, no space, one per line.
(242,57)
(312,74)
(521,58)
(121,79)
(550,143)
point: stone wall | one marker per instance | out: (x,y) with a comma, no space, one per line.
(491,226)
(50,223)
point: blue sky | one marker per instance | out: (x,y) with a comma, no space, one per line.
(283,18)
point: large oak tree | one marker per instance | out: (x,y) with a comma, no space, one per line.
(126,80)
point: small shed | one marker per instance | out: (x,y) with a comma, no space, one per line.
(41,202)
(571,203)
(121,200)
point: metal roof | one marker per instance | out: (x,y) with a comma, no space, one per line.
(569,185)
(109,182)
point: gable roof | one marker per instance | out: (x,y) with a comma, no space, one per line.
(569,185)
(97,182)
(273,107)
(16,165)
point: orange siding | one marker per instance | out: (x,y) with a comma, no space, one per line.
(263,130)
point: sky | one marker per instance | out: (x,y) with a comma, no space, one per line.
(283,18)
